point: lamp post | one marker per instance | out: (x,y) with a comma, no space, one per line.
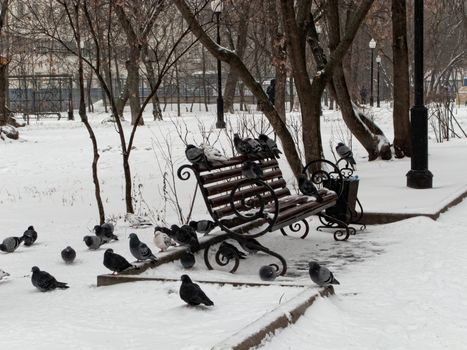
(378,62)
(419,176)
(372,45)
(217,7)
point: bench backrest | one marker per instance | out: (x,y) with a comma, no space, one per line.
(218,182)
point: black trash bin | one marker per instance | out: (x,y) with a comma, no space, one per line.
(344,210)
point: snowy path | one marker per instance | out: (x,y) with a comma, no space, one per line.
(410,297)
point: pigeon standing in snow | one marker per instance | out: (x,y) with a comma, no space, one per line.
(213,154)
(93,242)
(346,153)
(196,155)
(229,251)
(162,240)
(44,281)
(308,188)
(139,249)
(187,260)
(270,144)
(192,294)
(115,262)
(29,236)
(3,274)
(68,255)
(251,170)
(321,275)
(185,235)
(105,232)
(242,146)
(203,226)
(10,244)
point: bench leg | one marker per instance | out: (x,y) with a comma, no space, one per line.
(296,227)
(331,222)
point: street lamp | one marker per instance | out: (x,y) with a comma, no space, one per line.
(217,7)
(372,45)
(378,61)
(419,176)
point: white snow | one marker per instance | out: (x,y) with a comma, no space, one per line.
(402,283)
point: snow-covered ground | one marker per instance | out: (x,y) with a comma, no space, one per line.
(407,273)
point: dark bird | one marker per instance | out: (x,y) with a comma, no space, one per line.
(29,236)
(346,153)
(115,262)
(93,242)
(185,235)
(139,249)
(242,146)
(68,255)
(267,273)
(252,170)
(10,244)
(229,251)
(44,281)
(308,188)
(192,294)
(203,226)
(105,232)
(321,275)
(254,144)
(162,240)
(187,260)
(251,245)
(271,145)
(196,155)
(3,274)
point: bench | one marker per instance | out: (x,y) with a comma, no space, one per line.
(245,208)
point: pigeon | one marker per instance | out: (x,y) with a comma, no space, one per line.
(187,260)
(29,236)
(140,250)
(270,144)
(162,240)
(105,232)
(251,245)
(203,226)
(3,274)
(346,153)
(68,255)
(254,144)
(267,273)
(230,251)
(44,281)
(192,294)
(185,235)
(10,244)
(213,154)
(308,188)
(252,170)
(93,242)
(196,155)
(321,275)
(115,262)
(242,146)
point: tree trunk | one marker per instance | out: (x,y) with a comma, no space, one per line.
(232,76)
(156,107)
(401,89)
(3,92)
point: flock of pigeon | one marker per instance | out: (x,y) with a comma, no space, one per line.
(186,235)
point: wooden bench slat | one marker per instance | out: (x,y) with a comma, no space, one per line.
(250,192)
(232,172)
(229,186)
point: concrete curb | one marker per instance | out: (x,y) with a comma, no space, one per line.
(281,317)
(385,218)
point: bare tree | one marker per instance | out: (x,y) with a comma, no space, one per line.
(3,64)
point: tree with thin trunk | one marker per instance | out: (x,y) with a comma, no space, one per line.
(3,64)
